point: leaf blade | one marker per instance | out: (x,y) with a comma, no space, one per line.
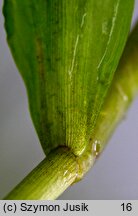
(67,67)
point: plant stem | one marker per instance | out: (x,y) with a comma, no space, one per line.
(49,179)
(53,175)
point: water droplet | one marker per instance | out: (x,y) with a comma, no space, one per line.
(121,92)
(125,98)
(96,147)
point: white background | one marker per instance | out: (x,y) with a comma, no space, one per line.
(115,174)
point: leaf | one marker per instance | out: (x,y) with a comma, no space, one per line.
(123,90)
(67,52)
(62,168)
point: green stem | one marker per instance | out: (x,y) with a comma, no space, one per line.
(49,179)
(62,168)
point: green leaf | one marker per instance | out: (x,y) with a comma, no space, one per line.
(123,90)
(67,52)
(61,167)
